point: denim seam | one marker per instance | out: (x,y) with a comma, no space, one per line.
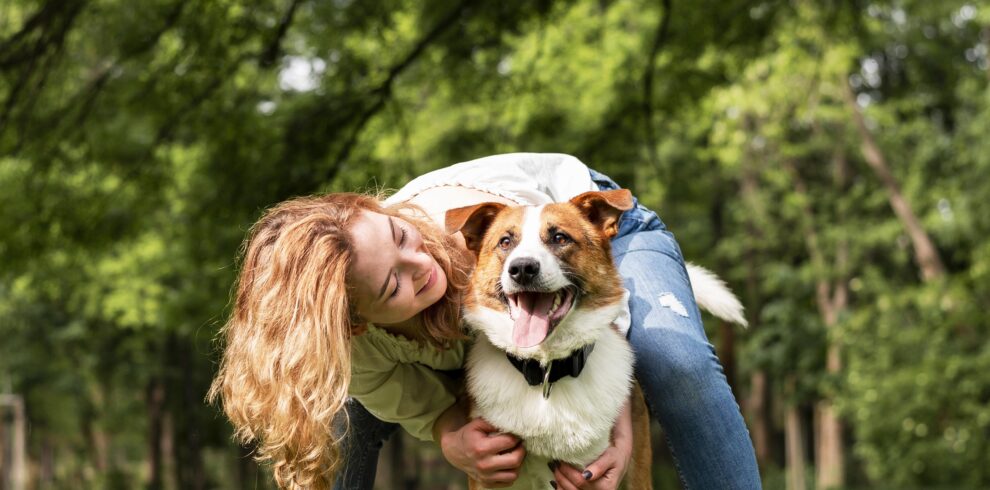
(623,254)
(639,221)
(677,463)
(638,224)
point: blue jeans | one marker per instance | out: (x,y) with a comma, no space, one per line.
(676,366)
(360,449)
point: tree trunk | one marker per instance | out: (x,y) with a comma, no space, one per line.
(925,253)
(727,354)
(830,461)
(191,474)
(831,299)
(46,477)
(4,474)
(168,451)
(155,400)
(759,425)
(96,439)
(20,457)
(18,448)
(795,443)
(757,404)
(726,330)
(830,458)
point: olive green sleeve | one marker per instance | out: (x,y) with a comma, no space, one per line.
(412,395)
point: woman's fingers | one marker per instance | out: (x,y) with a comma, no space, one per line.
(569,477)
(501,470)
(510,460)
(494,444)
(500,479)
(563,481)
(493,440)
(594,471)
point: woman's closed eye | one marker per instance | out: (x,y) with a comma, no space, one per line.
(402,241)
(395,292)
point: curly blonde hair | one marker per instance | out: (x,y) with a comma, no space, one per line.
(286,362)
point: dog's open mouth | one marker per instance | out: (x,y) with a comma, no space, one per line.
(535,314)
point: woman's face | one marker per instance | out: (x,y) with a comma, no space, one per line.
(394,277)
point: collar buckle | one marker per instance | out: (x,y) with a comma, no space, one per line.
(547,384)
(537,375)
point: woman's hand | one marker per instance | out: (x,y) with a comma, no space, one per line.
(606,472)
(483,453)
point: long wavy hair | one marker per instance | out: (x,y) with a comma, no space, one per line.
(286,362)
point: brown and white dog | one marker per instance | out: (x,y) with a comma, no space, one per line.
(546,302)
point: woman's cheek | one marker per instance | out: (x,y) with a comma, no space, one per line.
(441,288)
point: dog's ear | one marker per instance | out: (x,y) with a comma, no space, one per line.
(603,208)
(472,222)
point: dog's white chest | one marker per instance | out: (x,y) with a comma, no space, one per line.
(574,423)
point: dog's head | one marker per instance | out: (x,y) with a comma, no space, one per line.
(545,283)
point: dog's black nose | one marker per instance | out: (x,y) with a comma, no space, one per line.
(523,270)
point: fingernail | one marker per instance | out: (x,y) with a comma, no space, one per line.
(553,465)
(553,483)
(587,475)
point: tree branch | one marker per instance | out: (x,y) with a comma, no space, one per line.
(659,39)
(48,38)
(38,20)
(384,91)
(60,14)
(93,89)
(270,55)
(925,253)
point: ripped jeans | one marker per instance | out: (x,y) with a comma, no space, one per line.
(676,366)
(681,377)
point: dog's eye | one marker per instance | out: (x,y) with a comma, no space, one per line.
(561,238)
(504,243)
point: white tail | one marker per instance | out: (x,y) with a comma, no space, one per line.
(714,296)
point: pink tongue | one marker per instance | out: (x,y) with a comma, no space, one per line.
(532,318)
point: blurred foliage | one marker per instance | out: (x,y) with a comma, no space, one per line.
(140,140)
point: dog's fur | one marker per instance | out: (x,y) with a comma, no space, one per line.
(569,243)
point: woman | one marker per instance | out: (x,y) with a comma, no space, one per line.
(339,295)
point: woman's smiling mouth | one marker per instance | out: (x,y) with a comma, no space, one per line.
(429,282)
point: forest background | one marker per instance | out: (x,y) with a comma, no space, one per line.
(829,159)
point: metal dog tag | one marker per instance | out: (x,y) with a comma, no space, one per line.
(547,385)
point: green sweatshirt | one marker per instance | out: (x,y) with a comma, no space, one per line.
(397,379)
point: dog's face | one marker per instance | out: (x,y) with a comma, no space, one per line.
(545,282)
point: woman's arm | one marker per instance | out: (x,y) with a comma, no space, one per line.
(432,412)
(477,448)
(606,472)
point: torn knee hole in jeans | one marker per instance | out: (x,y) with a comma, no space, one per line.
(670,301)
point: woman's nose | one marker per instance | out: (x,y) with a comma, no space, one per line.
(418,261)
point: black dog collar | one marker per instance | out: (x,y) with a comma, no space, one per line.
(536,375)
